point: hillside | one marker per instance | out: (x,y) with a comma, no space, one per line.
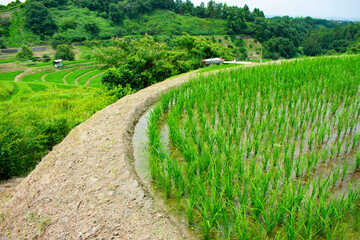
(77,21)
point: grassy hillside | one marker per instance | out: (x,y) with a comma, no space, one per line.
(162,22)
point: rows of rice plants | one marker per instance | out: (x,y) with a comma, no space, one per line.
(9,76)
(57,77)
(38,87)
(35,77)
(70,79)
(82,80)
(264,152)
(96,81)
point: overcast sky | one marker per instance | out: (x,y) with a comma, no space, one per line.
(334,9)
(330,9)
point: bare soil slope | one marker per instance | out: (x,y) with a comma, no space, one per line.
(86,188)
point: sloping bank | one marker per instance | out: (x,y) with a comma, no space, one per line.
(87,188)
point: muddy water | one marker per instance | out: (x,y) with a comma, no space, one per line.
(140,146)
(141,156)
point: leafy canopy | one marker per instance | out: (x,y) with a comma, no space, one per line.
(38,19)
(64,52)
(25,53)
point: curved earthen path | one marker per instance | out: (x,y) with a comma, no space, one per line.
(87,188)
(92,78)
(84,74)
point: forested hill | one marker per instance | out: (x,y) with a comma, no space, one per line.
(64,21)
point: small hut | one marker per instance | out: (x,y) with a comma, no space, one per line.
(212,61)
(58,63)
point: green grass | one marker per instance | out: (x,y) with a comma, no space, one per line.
(6,89)
(38,87)
(268,152)
(7,61)
(70,79)
(57,77)
(23,89)
(9,76)
(34,120)
(166,23)
(84,78)
(96,82)
(35,77)
(217,67)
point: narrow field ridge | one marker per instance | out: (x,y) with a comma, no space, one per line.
(84,74)
(92,78)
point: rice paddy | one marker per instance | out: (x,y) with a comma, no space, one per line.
(268,152)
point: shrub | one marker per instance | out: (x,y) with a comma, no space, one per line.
(64,52)
(46,57)
(2,43)
(57,40)
(25,53)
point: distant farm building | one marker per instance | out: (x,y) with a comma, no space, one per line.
(58,63)
(212,61)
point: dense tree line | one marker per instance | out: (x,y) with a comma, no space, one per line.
(281,36)
(140,63)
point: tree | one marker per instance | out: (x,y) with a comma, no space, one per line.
(38,19)
(282,46)
(25,53)
(57,40)
(92,27)
(64,52)
(114,13)
(311,44)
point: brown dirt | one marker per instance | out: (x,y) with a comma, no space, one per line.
(87,188)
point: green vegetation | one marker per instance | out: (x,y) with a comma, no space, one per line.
(37,87)
(70,79)
(6,89)
(9,76)
(57,77)
(35,77)
(92,21)
(6,61)
(143,62)
(64,52)
(24,54)
(85,77)
(32,123)
(167,23)
(269,152)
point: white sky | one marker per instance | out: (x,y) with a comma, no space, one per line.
(5,2)
(330,9)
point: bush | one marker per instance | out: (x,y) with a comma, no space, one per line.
(64,52)
(2,43)
(331,52)
(24,54)
(57,40)
(46,57)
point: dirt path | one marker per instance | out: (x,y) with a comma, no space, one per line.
(84,74)
(87,188)
(64,78)
(43,77)
(92,78)
(20,76)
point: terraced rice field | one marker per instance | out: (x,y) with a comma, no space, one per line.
(269,152)
(69,77)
